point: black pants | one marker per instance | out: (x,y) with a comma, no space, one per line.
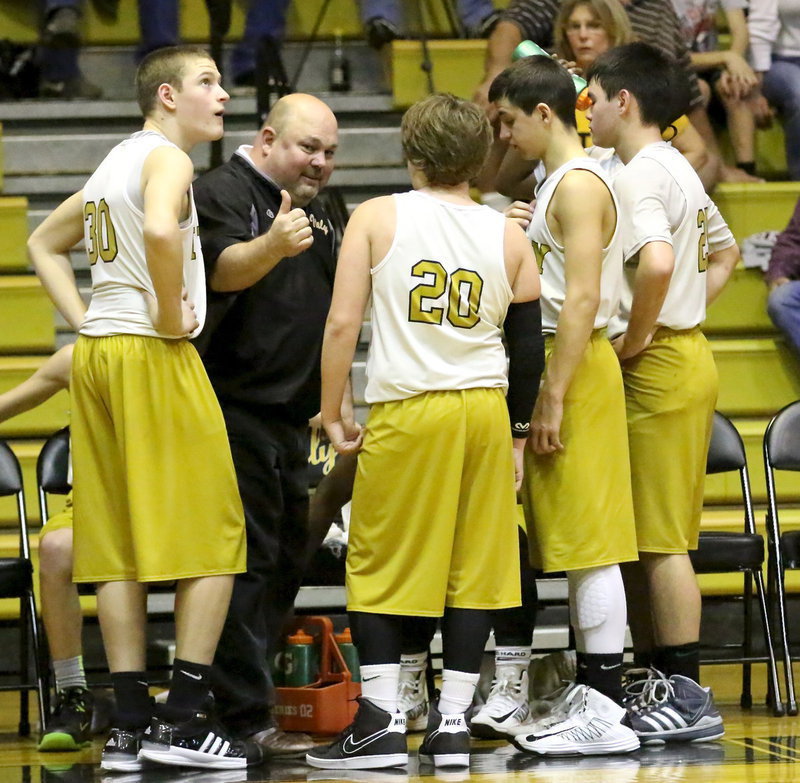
(271,460)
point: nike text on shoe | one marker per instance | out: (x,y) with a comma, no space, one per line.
(198,742)
(506,711)
(674,709)
(70,725)
(121,751)
(592,727)
(412,699)
(375,739)
(446,742)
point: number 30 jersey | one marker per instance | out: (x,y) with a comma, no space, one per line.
(113,214)
(663,200)
(439,299)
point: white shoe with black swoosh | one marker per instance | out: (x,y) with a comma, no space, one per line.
(374,740)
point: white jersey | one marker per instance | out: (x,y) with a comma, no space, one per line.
(439,299)
(663,200)
(113,233)
(550,254)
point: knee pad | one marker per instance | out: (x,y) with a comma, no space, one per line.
(590,593)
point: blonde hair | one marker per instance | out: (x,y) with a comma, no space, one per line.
(611,14)
(446,138)
(163,66)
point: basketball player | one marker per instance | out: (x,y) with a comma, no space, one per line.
(576,493)
(155,492)
(433,518)
(678,255)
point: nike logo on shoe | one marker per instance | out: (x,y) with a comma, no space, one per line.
(193,676)
(607,668)
(349,746)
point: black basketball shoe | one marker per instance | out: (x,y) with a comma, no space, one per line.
(198,742)
(70,725)
(121,751)
(446,742)
(374,739)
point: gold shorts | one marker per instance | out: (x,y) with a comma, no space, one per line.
(155,491)
(577,501)
(59,521)
(433,521)
(670,391)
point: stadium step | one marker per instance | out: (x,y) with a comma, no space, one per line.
(27,317)
(753,207)
(13,232)
(741,308)
(42,421)
(758,375)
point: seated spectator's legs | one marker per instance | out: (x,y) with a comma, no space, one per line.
(782,89)
(742,128)
(158,25)
(783,306)
(473,14)
(389,10)
(265,19)
(60,23)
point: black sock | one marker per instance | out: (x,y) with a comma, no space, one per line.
(683,659)
(601,672)
(748,166)
(642,659)
(134,705)
(189,688)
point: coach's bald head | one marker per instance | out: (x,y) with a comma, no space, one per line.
(296,145)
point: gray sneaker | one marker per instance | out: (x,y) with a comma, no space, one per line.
(276,743)
(674,709)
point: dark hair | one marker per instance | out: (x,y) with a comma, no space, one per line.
(658,83)
(163,66)
(446,138)
(534,80)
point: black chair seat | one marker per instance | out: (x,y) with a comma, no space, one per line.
(16,576)
(720,552)
(790,544)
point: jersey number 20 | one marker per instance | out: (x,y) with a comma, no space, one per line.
(463,287)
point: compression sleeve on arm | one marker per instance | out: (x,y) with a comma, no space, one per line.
(525,342)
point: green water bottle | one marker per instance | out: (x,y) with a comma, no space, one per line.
(349,652)
(301,660)
(529,48)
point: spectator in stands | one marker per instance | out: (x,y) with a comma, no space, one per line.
(383,19)
(653,21)
(61,38)
(265,19)
(727,73)
(783,279)
(774,27)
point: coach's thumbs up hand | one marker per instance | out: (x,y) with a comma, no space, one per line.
(290,232)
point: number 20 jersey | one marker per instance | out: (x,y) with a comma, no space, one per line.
(439,299)
(113,226)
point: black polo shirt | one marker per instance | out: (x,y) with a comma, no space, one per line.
(262,346)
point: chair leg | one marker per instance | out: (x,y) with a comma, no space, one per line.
(791,703)
(774,689)
(746,699)
(42,684)
(24,726)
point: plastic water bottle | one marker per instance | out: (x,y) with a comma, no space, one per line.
(339,67)
(529,48)
(301,660)
(344,640)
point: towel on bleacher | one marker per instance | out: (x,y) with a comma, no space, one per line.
(757,249)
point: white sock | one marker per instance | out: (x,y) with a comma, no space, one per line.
(458,688)
(379,684)
(512,656)
(69,673)
(414,662)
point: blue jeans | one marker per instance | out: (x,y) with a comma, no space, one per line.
(471,12)
(265,18)
(158,26)
(782,89)
(783,306)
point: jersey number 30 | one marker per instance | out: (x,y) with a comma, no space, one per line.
(101,240)
(464,288)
